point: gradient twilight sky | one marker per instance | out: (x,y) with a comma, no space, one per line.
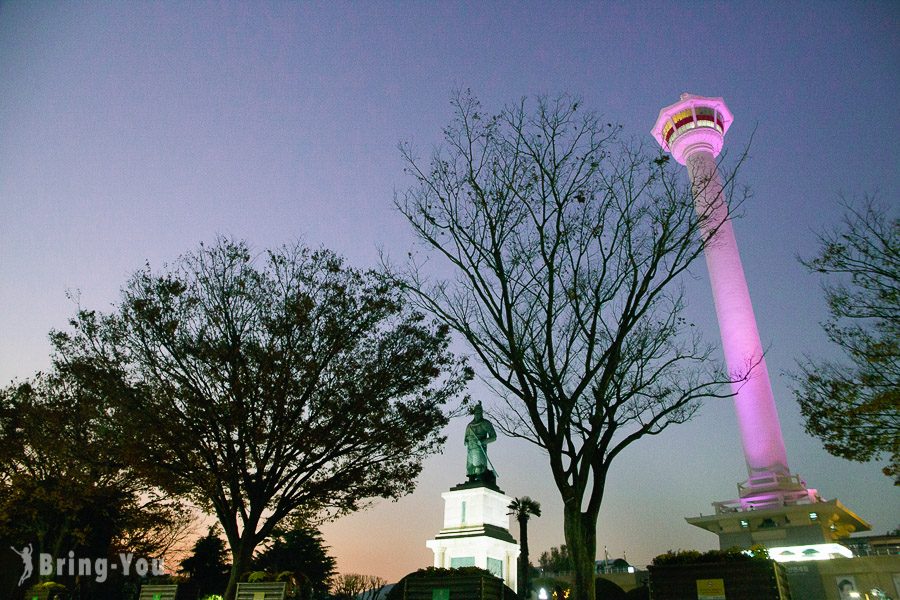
(131,131)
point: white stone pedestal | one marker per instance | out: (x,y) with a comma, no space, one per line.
(476,532)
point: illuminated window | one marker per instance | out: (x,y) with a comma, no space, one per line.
(462,561)
(495,567)
(707,117)
(683,117)
(667,130)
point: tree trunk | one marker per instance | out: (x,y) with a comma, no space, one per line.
(524,588)
(240,558)
(581,538)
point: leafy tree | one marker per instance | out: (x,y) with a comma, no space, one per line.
(480,579)
(523,508)
(854,405)
(301,551)
(261,386)
(567,245)
(207,567)
(64,487)
(556,560)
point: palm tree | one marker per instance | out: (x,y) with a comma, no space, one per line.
(523,508)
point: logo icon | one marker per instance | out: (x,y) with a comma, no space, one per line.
(27,565)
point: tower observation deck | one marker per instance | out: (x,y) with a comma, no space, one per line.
(693,131)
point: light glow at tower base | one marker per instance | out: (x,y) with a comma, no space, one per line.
(784,554)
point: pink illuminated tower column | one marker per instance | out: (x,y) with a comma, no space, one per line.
(693,130)
(774,507)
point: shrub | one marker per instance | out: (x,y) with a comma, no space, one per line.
(692,557)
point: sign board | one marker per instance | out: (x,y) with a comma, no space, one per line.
(270,590)
(711,589)
(158,592)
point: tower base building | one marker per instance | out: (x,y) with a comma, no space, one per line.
(782,514)
(810,530)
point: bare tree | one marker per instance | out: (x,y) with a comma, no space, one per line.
(360,587)
(567,245)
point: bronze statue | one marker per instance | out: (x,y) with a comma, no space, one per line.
(479,433)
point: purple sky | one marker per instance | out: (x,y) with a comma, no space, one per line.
(133,131)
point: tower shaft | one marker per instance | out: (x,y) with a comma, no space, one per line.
(774,507)
(757,415)
(693,130)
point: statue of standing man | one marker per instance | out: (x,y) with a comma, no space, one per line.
(479,433)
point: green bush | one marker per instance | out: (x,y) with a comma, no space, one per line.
(51,588)
(693,557)
(455,572)
(396,592)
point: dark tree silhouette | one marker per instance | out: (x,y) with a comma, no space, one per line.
(567,246)
(556,560)
(855,408)
(65,487)
(207,567)
(523,509)
(350,586)
(262,386)
(300,551)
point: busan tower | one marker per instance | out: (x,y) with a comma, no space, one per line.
(774,507)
